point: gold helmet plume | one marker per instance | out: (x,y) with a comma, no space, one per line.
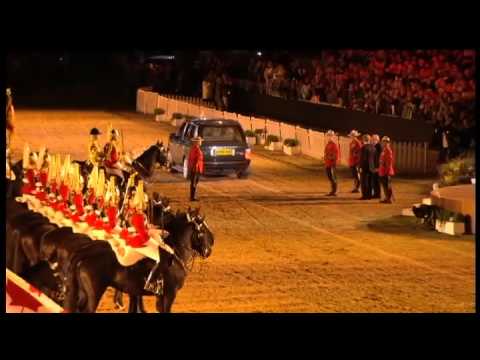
(139,199)
(26,155)
(100,189)
(112,191)
(93,178)
(41,157)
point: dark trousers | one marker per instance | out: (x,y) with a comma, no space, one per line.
(376,185)
(356,177)
(387,186)
(194,178)
(366,183)
(332,177)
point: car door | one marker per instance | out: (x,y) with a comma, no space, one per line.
(176,148)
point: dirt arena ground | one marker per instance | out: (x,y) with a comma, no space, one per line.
(280,244)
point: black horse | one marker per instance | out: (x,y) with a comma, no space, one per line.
(144,165)
(161,216)
(14,188)
(97,268)
(24,230)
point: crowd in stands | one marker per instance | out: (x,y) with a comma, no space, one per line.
(432,85)
(436,86)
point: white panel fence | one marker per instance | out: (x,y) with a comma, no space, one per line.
(410,157)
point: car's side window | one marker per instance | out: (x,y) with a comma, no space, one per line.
(181,130)
(190,133)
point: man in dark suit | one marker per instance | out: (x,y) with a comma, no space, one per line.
(376,163)
(367,167)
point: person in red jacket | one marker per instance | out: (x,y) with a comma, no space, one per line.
(195,165)
(385,170)
(331,158)
(354,159)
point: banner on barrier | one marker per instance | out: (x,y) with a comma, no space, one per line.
(21,297)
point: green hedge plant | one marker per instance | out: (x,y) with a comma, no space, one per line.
(249,133)
(272,138)
(291,142)
(457,171)
(158,111)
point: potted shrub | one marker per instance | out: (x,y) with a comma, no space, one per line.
(158,114)
(291,147)
(260,134)
(457,171)
(251,138)
(273,143)
(177,119)
(450,223)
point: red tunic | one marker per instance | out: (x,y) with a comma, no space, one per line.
(91,198)
(53,187)
(30,175)
(331,154)
(140,237)
(354,158)
(91,219)
(112,153)
(64,191)
(78,201)
(195,159)
(112,213)
(386,162)
(44,178)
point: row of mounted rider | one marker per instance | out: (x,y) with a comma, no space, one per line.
(75,271)
(82,205)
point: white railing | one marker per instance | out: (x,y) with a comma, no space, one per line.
(410,157)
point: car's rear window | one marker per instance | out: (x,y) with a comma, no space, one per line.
(221,133)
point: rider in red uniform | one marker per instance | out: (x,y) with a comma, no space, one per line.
(112,206)
(112,156)
(138,220)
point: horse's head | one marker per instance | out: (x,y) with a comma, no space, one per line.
(202,237)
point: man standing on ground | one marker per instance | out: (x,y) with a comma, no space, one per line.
(331,158)
(195,165)
(367,158)
(376,162)
(386,171)
(354,159)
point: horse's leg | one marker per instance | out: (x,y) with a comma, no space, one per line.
(71,301)
(160,303)
(118,300)
(140,307)
(169,298)
(132,304)
(93,289)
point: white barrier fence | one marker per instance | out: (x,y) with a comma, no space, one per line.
(410,157)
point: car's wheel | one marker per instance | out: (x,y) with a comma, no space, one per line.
(185,168)
(242,174)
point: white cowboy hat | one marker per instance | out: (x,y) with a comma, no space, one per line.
(330,133)
(354,133)
(385,139)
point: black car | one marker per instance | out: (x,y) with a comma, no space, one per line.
(224,146)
